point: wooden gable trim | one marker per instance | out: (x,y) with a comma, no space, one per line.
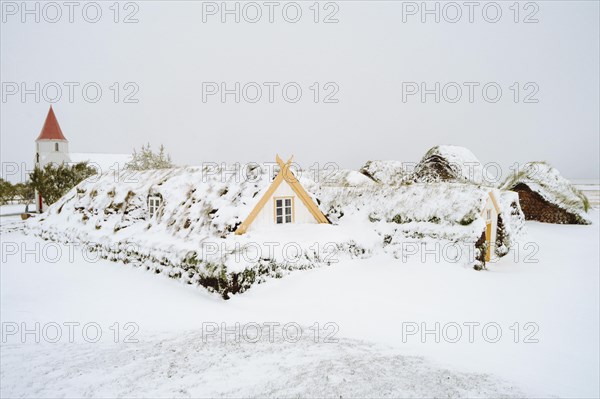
(296,187)
(492,198)
(494,201)
(301,192)
(261,203)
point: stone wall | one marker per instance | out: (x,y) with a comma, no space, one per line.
(535,207)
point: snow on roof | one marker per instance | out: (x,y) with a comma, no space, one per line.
(211,201)
(102,162)
(197,202)
(449,202)
(548,182)
(335,178)
(386,172)
(444,211)
(449,163)
(200,206)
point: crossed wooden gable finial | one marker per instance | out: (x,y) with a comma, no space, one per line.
(285,168)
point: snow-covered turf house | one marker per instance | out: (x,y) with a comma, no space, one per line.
(448,163)
(205,226)
(227,227)
(475,217)
(444,199)
(548,197)
(227,231)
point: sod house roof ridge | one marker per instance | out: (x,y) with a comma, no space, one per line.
(547,181)
(448,163)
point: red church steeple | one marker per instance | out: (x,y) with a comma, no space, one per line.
(51,129)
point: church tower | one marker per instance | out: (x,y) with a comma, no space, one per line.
(51,146)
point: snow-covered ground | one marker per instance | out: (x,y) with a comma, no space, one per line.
(374,306)
(14,209)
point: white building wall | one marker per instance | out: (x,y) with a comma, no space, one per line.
(266,216)
(45,153)
(48,153)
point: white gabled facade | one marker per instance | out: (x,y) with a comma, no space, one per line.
(284,201)
(267,216)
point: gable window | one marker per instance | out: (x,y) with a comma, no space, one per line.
(489,214)
(154,202)
(284,210)
(55,146)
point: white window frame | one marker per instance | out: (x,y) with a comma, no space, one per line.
(286,205)
(488,214)
(154,203)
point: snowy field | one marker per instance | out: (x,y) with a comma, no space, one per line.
(373,345)
(14,209)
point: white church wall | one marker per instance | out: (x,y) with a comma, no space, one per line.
(48,153)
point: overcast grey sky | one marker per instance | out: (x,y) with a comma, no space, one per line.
(373,55)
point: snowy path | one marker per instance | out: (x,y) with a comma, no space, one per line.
(370,300)
(183,366)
